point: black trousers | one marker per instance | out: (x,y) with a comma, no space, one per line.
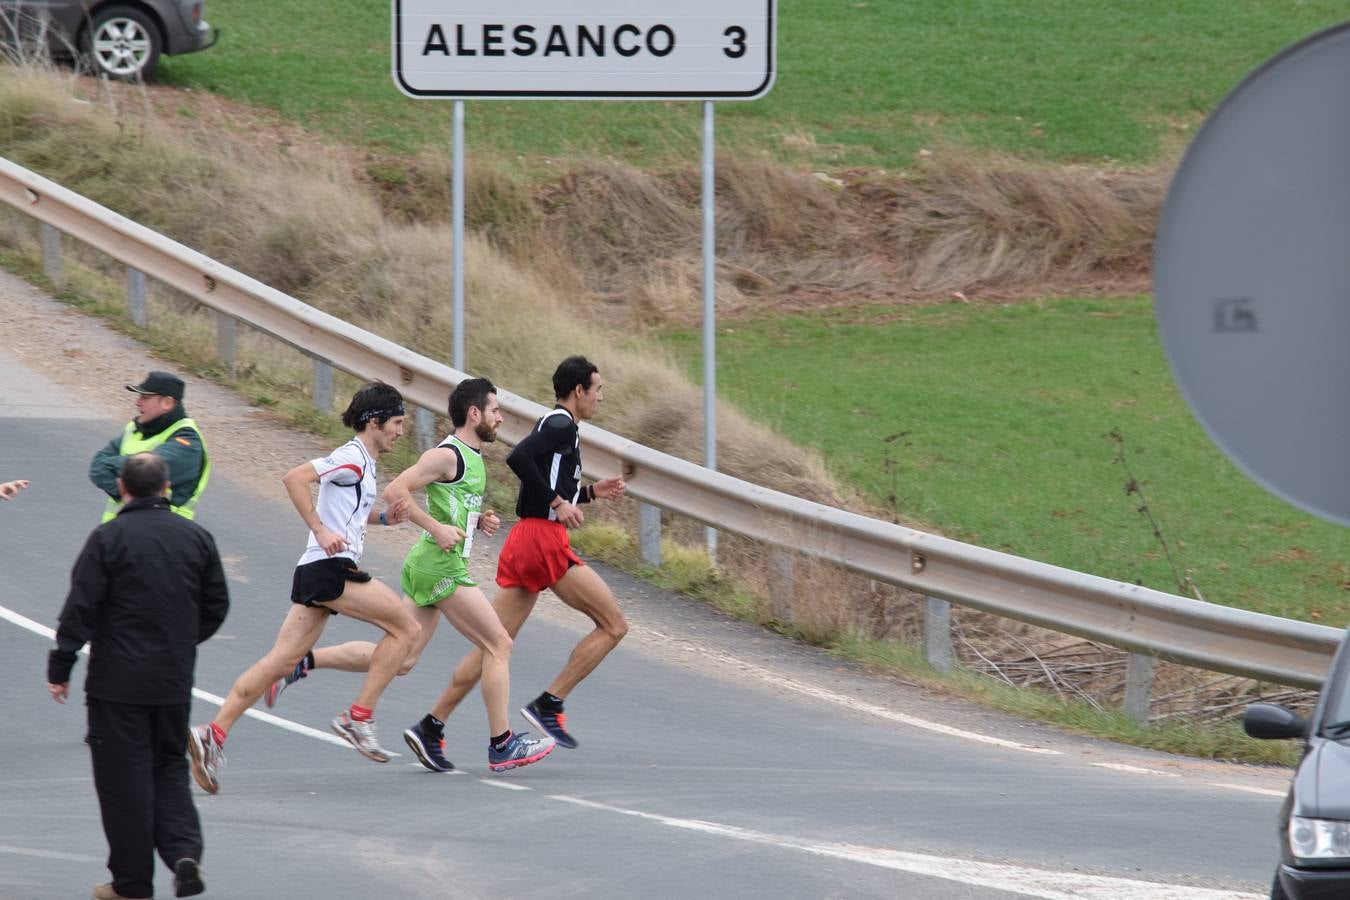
(141,775)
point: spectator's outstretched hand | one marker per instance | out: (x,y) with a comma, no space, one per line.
(10,489)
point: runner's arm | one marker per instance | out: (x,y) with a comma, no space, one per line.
(297,482)
(437,464)
(526,459)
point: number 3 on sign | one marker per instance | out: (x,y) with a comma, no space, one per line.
(737,35)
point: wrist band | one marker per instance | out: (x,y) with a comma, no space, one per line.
(383,520)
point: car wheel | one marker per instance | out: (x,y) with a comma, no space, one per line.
(1277,889)
(122,43)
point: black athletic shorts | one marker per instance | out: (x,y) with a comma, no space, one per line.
(324,579)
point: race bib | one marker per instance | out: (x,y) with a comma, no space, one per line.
(470,529)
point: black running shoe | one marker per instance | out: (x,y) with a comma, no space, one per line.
(551,724)
(430,752)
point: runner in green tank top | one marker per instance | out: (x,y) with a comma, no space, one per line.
(436,579)
(430,573)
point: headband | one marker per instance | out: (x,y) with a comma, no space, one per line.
(385,414)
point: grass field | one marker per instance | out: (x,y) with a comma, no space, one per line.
(1005,415)
(860,82)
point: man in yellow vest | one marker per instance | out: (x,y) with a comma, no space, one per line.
(161,427)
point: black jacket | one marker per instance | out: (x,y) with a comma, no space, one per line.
(146,590)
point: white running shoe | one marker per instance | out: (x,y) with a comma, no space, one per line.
(206,756)
(361,735)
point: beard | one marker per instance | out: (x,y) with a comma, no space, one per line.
(485,433)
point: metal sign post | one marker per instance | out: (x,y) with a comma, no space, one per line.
(709,309)
(594,50)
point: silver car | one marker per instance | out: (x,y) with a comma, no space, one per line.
(120,39)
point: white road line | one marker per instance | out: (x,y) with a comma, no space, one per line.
(998,876)
(10,615)
(1265,792)
(779,680)
(51,854)
(1138,770)
(504,785)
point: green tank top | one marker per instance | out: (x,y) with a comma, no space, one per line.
(457,503)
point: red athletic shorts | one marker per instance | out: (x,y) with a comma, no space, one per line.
(536,555)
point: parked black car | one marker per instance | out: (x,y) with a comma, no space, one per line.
(122,39)
(1314,829)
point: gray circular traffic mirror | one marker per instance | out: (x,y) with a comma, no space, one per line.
(1251,275)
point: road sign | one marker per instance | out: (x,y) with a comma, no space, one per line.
(1252,275)
(584,50)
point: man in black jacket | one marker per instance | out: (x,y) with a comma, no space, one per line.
(147,588)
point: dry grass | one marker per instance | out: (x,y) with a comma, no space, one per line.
(576,264)
(966,225)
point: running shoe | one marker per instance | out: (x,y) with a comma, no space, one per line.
(519,751)
(361,735)
(275,688)
(551,724)
(430,751)
(207,757)
(187,878)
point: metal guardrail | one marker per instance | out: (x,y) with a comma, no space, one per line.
(1128,616)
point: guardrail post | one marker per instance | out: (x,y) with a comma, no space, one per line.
(51,254)
(937,633)
(1138,686)
(323,386)
(782,584)
(424,429)
(136,296)
(227,334)
(649,533)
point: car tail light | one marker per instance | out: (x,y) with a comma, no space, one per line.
(196,13)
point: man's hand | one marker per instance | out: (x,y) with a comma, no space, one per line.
(330,541)
(59,692)
(399,511)
(489,522)
(447,537)
(609,488)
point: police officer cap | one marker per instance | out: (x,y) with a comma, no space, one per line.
(161,383)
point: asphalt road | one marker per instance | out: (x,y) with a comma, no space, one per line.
(715,760)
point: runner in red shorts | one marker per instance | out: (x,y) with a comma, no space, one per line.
(538,555)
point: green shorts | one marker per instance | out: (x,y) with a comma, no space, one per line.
(429,588)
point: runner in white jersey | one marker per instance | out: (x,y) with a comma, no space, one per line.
(347,491)
(327,582)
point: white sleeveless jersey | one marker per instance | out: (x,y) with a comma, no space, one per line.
(347,490)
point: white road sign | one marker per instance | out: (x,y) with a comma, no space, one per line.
(586,50)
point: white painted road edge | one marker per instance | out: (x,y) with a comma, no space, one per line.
(1031,882)
(999,876)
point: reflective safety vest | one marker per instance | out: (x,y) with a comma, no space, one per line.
(132,442)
